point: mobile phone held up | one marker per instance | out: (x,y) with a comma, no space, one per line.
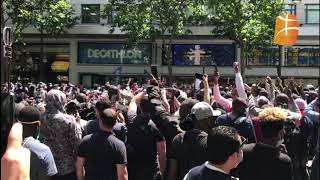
(199,76)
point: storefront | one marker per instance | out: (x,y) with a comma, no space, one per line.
(113,62)
(55,61)
(306,56)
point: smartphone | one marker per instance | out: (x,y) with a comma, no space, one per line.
(199,76)
(154,71)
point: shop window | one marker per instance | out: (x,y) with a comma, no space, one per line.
(263,57)
(312,13)
(302,56)
(290,9)
(90,14)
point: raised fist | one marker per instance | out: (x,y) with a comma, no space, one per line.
(236,67)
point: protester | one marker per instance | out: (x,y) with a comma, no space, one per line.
(224,154)
(237,118)
(42,163)
(176,117)
(144,163)
(101,155)
(61,133)
(267,160)
(92,126)
(189,149)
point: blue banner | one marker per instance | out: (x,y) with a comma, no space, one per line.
(113,53)
(203,54)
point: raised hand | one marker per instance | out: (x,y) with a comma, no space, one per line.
(254,90)
(278,82)
(236,67)
(268,80)
(288,92)
(216,76)
(205,78)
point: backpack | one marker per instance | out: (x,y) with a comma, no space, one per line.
(241,124)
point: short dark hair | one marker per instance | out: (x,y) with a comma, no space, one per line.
(222,142)
(108,117)
(29,114)
(281,100)
(145,105)
(102,104)
(186,107)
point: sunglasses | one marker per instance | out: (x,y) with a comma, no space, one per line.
(243,141)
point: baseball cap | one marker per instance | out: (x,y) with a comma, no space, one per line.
(203,110)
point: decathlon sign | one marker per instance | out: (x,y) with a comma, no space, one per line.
(113,53)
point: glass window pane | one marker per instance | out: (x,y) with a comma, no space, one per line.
(313,6)
(312,16)
(290,9)
(91,13)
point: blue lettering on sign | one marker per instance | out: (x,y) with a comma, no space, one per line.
(113,53)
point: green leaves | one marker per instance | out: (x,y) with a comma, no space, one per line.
(49,16)
(250,22)
(149,19)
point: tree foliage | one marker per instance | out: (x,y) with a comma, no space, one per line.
(49,16)
(250,23)
(150,19)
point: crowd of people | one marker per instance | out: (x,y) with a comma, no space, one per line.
(265,131)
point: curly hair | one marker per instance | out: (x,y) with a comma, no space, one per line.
(273,114)
(272,121)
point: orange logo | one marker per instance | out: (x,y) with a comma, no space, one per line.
(287,30)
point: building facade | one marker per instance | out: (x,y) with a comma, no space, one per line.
(88,54)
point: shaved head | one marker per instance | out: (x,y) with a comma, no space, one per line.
(109,117)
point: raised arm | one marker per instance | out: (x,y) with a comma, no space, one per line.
(239,82)
(165,102)
(206,96)
(225,103)
(133,106)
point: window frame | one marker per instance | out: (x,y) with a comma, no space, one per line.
(307,10)
(291,8)
(88,15)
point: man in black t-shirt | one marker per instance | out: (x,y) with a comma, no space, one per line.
(101,154)
(189,149)
(144,143)
(92,126)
